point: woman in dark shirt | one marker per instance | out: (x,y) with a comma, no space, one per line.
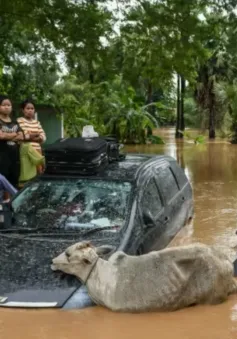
(10,135)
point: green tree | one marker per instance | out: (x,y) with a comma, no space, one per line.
(28,64)
(160,38)
(226,96)
(39,30)
(119,82)
(220,66)
(111,107)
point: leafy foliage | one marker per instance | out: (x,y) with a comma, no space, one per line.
(227,100)
(72,55)
(110,107)
(198,139)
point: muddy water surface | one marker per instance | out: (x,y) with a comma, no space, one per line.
(212,169)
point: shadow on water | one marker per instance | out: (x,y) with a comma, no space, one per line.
(212,170)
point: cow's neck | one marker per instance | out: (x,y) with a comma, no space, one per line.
(100,283)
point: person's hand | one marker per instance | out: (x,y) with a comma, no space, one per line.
(7,136)
(35,137)
(19,137)
(27,136)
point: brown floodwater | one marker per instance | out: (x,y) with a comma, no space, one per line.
(212,170)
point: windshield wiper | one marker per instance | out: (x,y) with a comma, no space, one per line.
(100,229)
(55,231)
(21,230)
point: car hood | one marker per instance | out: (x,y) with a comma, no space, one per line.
(26,279)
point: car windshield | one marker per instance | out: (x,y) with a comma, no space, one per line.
(72,204)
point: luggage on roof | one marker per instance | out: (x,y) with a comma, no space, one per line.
(81,155)
(113,148)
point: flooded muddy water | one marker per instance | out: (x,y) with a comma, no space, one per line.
(212,170)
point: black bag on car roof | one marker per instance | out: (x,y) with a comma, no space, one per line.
(113,148)
(77,149)
(81,155)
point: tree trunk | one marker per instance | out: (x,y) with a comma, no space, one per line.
(233,126)
(234,135)
(212,112)
(178,121)
(212,132)
(149,93)
(183,88)
(149,100)
(91,75)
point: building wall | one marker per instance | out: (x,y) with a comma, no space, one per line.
(51,124)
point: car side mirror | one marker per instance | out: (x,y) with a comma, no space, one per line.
(148,219)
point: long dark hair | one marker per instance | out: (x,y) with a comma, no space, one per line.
(4,97)
(26,102)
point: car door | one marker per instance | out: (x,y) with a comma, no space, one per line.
(174,213)
(152,215)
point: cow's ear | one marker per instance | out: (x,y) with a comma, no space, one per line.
(83,244)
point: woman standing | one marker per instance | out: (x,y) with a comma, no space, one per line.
(32,127)
(10,135)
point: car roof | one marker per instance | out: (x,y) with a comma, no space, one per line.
(128,169)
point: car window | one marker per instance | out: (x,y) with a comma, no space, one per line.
(167,183)
(72,204)
(179,174)
(151,200)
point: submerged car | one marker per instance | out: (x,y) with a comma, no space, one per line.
(136,205)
